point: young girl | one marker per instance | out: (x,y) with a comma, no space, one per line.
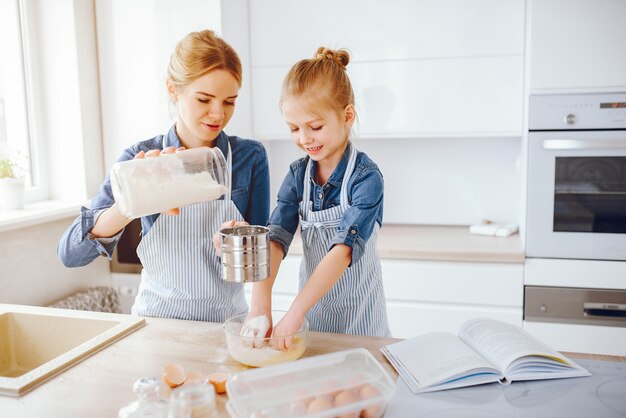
(181,272)
(335,194)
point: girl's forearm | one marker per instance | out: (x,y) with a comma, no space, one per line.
(262,291)
(326,274)
(109,223)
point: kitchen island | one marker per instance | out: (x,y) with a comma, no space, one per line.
(101,384)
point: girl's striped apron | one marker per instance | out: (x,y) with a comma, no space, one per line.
(356,303)
(181,276)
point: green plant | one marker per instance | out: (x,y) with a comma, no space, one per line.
(7,169)
(13,165)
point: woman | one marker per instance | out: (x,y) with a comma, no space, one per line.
(181,272)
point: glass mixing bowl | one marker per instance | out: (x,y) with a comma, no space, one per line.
(241,348)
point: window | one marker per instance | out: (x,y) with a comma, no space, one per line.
(18,139)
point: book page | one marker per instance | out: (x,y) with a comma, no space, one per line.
(502,343)
(438,358)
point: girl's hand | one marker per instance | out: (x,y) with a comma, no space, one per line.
(217,238)
(258,330)
(282,337)
(156,153)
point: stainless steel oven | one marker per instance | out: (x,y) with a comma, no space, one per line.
(575,271)
(576,204)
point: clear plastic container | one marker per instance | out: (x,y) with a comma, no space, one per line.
(259,352)
(149,402)
(348,383)
(195,400)
(146,186)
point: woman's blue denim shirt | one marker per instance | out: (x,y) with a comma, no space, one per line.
(365,196)
(250,193)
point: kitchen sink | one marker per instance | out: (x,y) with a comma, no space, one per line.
(37,343)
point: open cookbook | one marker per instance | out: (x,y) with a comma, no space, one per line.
(485,350)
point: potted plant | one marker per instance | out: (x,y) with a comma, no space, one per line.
(11,185)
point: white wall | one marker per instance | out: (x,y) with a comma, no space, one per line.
(450,181)
(135,41)
(31,273)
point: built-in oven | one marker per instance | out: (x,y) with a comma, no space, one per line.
(575,271)
(576,202)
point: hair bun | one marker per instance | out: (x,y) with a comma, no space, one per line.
(340,56)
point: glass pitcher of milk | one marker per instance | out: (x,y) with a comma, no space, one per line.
(152,185)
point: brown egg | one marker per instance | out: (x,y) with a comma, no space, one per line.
(319,404)
(373,411)
(369,391)
(218,380)
(347,397)
(297,409)
(330,387)
(174,375)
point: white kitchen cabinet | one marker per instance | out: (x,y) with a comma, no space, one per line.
(577,45)
(402,99)
(419,68)
(428,296)
(285,286)
(285,31)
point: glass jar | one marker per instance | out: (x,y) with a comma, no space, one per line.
(146,186)
(196,400)
(148,404)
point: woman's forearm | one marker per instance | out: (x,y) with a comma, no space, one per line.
(109,223)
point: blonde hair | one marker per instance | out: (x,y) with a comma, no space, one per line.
(321,80)
(199,53)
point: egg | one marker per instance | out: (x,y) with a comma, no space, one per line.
(174,375)
(218,380)
(374,411)
(297,409)
(319,404)
(344,398)
(369,391)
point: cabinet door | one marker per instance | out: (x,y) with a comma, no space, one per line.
(577,45)
(285,286)
(285,31)
(427,296)
(419,68)
(403,99)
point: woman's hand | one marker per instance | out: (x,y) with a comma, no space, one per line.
(217,238)
(156,153)
(282,336)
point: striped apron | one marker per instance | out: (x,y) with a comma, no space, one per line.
(356,303)
(181,276)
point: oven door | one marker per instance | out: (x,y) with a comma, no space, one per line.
(576,195)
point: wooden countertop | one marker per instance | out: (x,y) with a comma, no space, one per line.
(101,384)
(440,243)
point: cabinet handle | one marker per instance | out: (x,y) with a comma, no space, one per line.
(583,143)
(613,310)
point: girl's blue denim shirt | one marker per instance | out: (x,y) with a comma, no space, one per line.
(365,196)
(250,193)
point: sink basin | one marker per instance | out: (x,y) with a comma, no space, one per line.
(37,343)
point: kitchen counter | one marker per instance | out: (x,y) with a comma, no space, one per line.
(440,243)
(101,384)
